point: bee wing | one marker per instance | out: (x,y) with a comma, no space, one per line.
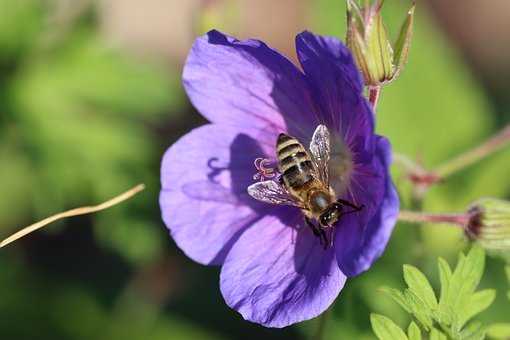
(320,150)
(272,192)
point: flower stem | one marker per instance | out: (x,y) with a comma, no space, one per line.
(408,164)
(424,178)
(373,96)
(321,327)
(493,144)
(459,220)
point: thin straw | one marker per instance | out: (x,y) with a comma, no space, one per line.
(73,212)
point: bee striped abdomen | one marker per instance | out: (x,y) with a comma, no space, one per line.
(293,162)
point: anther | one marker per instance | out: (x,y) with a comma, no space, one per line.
(264,171)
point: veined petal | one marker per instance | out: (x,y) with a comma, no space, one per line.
(203,199)
(277,275)
(357,247)
(247,84)
(337,87)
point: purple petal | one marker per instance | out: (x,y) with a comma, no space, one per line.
(276,275)
(337,86)
(203,200)
(357,247)
(247,84)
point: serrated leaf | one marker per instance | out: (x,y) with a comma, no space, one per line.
(413,331)
(475,264)
(477,303)
(499,330)
(418,308)
(420,286)
(464,280)
(403,42)
(473,331)
(385,329)
(445,273)
(396,296)
(435,334)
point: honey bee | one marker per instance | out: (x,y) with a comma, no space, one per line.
(304,183)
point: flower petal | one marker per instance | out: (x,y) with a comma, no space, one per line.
(277,275)
(203,200)
(246,84)
(358,246)
(337,86)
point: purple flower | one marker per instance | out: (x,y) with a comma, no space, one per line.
(275,271)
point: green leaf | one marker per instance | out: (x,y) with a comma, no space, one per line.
(477,303)
(499,330)
(385,329)
(420,286)
(444,313)
(413,331)
(473,331)
(418,308)
(475,264)
(397,296)
(464,280)
(445,274)
(435,334)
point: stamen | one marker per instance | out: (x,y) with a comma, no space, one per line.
(264,170)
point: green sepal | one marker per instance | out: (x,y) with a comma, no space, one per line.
(403,43)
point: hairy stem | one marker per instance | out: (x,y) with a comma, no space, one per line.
(491,145)
(373,96)
(459,220)
(423,178)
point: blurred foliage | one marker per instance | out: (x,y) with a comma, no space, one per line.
(74,127)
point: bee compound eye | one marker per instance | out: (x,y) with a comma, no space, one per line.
(324,219)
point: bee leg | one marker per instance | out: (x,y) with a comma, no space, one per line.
(316,231)
(324,239)
(280,181)
(349,204)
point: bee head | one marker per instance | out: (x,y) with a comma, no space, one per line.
(330,216)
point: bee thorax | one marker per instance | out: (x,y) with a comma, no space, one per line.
(319,200)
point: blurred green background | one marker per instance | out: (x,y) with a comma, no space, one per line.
(90,98)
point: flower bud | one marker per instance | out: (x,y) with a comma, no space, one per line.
(379,60)
(489,224)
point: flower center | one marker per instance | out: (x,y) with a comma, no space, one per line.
(340,166)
